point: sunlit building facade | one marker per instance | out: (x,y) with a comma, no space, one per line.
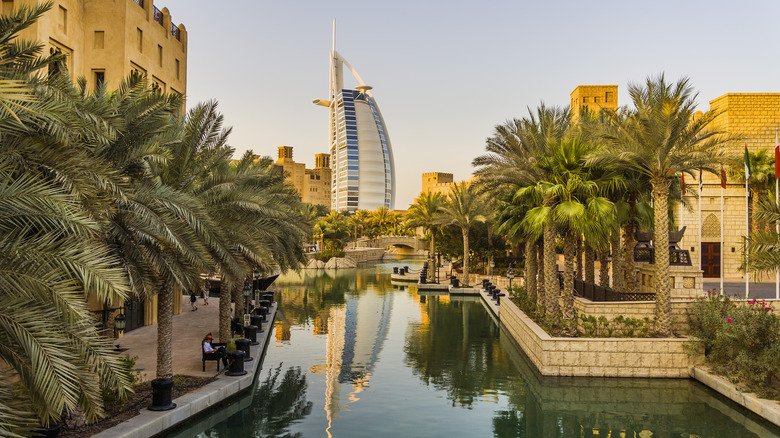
(361,157)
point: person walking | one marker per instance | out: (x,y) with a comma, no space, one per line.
(206,288)
(193,301)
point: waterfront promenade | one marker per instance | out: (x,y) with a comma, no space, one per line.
(189,328)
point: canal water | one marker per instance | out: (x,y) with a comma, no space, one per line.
(354,355)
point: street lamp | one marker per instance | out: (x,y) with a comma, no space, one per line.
(510,274)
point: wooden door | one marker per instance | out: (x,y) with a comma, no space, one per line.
(710,259)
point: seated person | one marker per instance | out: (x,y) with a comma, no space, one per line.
(219,351)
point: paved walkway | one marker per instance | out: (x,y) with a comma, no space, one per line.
(189,328)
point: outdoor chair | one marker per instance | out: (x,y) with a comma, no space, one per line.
(211,356)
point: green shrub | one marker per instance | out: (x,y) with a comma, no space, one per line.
(328,254)
(741,340)
(110,395)
(618,327)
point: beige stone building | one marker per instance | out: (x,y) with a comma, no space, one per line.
(754,117)
(105,40)
(593,98)
(437,182)
(314,185)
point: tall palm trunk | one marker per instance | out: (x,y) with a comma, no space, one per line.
(628,257)
(164,332)
(551,291)
(530,269)
(579,258)
(225,293)
(590,266)
(604,267)
(540,278)
(618,276)
(465,256)
(663,305)
(567,294)
(490,247)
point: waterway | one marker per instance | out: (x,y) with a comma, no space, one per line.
(353,355)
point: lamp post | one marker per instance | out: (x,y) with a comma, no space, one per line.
(510,274)
(120,321)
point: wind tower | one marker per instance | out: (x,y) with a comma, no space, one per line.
(361,157)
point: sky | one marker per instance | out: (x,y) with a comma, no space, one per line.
(445,73)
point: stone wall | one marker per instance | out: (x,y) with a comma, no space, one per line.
(686,281)
(597,357)
(635,309)
(365,254)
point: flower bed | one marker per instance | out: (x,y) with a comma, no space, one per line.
(741,341)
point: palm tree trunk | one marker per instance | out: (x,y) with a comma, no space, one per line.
(590,266)
(164,332)
(628,258)
(224,310)
(465,256)
(663,305)
(540,278)
(754,223)
(551,288)
(490,247)
(530,269)
(618,276)
(604,268)
(579,258)
(569,253)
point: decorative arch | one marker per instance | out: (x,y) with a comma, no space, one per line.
(710,229)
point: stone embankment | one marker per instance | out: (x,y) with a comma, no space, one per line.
(350,260)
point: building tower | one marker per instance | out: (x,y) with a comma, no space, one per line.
(361,158)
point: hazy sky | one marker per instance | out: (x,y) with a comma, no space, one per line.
(446,72)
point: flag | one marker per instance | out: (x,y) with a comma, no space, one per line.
(682,183)
(722,177)
(701,183)
(747,163)
(777,157)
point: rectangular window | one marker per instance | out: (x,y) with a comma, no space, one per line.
(63,15)
(140,36)
(159,55)
(597,99)
(8,6)
(100,77)
(584,100)
(609,96)
(100,39)
(178,68)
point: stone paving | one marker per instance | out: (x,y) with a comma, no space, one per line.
(189,328)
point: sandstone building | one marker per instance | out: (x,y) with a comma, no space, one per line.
(437,182)
(314,185)
(106,40)
(593,98)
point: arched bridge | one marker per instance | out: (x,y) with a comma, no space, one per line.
(414,243)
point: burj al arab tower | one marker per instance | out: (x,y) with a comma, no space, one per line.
(361,158)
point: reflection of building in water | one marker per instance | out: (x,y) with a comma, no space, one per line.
(282,331)
(355,334)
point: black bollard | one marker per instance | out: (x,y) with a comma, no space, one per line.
(236,359)
(423,277)
(265,304)
(162,390)
(50,431)
(243,345)
(395,270)
(498,299)
(257,321)
(250,331)
(455,282)
(268,297)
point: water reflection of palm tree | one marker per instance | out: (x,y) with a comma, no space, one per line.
(277,404)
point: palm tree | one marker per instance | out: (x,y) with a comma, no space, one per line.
(462,208)
(571,204)
(660,140)
(764,246)
(511,163)
(423,213)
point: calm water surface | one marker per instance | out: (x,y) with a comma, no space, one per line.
(352,355)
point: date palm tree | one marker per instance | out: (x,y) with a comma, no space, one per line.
(660,140)
(423,213)
(462,208)
(762,173)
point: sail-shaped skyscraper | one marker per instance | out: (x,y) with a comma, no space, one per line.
(361,158)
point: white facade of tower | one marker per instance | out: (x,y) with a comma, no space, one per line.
(363,171)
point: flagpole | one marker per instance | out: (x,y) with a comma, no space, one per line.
(722,225)
(747,223)
(701,186)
